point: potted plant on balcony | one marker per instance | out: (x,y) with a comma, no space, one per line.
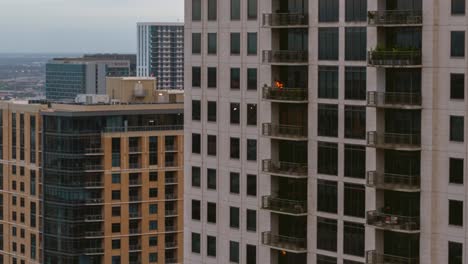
(371,17)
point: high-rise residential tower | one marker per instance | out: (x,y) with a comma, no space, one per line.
(160,53)
(358,154)
(92,183)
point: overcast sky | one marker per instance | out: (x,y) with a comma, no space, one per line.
(79,26)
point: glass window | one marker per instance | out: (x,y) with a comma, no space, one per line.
(327,196)
(153,257)
(251,9)
(196,43)
(211,144)
(251,79)
(458,7)
(234,217)
(234,180)
(212,43)
(355,83)
(354,200)
(153,241)
(327,120)
(328,43)
(322,259)
(115,195)
(235,78)
(455,213)
(196,243)
(235,43)
(196,77)
(355,122)
(251,43)
(196,172)
(456,171)
(196,110)
(234,252)
(326,234)
(196,210)
(234,148)
(251,257)
(355,161)
(455,253)
(196,144)
(251,185)
(116,178)
(328,10)
(328,82)
(211,213)
(211,111)
(251,220)
(251,149)
(353,239)
(235,113)
(211,246)
(196,10)
(457,86)
(115,243)
(211,179)
(212,10)
(327,158)
(235,9)
(457,47)
(212,77)
(251,114)
(457,128)
(356,10)
(355,43)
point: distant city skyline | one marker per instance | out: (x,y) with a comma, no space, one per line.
(85,26)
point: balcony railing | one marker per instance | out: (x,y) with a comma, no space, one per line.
(284,131)
(142,128)
(393,181)
(94,250)
(171,164)
(171,180)
(393,222)
(93,217)
(134,247)
(284,205)
(134,214)
(170,212)
(171,244)
(394,58)
(285,56)
(94,184)
(286,168)
(171,228)
(393,140)
(94,167)
(94,151)
(134,182)
(283,242)
(171,261)
(135,230)
(395,17)
(134,198)
(373,257)
(135,149)
(94,201)
(94,233)
(135,165)
(285,20)
(285,94)
(170,196)
(385,99)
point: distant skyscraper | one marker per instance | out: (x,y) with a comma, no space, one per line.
(161,53)
(68,77)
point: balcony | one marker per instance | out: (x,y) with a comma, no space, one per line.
(171,228)
(287,169)
(94,184)
(284,206)
(171,164)
(93,251)
(284,131)
(171,180)
(288,95)
(290,244)
(135,149)
(285,56)
(170,196)
(171,244)
(135,230)
(94,151)
(134,215)
(93,218)
(93,167)
(394,58)
(94,201)
(94,233)
(285,20)
(406,224)
(135,198)
(171,261)
(373,257)
(394,141)
(396,182)
(394,100)
(136,247)
(136,165)
(134,182)
(395,17)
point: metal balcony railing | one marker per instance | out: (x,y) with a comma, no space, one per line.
(285,20)
(393,222)
(135,230)
(393,181)
(171,228)
(135,149)
(171,180)
(394,58)
(171,147)
(170,212)
(170,196)
(374,257)
(393,140)
(285,94)
(284,131)
(134,247)
(395,17)
(94,184)
(94,250)
(284,242)
(171,164)
(93,217)
(135,165)
(94,167)
(171,261)
(134,182)
(94,233)
(134,198)
(142,128)
(285,56)
(171,244)
(390,99)
(287,168)
(94,201)
(91,151)
(284,205)
(134,214)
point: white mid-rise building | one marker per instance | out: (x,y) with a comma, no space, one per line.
(325,131)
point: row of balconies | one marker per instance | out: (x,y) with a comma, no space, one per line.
(377,18)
